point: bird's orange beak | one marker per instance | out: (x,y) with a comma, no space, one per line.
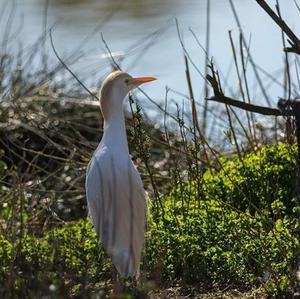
(141,80)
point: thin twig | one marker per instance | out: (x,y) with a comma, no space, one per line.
(68,69)
(251,60)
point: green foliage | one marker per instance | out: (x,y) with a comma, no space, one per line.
(262,180)
(5,257)
(64,261)
(77,251)
(217,231)
(237,230)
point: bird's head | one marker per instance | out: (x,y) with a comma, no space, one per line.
(115,88)
(118,84)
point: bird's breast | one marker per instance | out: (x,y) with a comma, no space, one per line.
(117,167)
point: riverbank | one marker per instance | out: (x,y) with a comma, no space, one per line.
(224,226)
(223,207)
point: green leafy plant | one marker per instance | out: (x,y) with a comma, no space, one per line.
(68,260)
(238,231)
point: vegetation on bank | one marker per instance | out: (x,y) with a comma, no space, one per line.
(237,227)
(223,207)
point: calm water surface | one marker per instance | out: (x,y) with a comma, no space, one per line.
(124,23)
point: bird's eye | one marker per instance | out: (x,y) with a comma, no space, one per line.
(126,81)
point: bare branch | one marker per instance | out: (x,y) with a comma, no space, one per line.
(293,39)
(68,69)
(221,98)
(249,107)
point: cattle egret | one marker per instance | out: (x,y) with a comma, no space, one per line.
(114,189)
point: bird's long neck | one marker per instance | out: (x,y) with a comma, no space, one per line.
(114,135)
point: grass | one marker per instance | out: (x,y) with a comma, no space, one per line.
(223,216)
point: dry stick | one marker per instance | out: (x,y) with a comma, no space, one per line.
(236,65)
(240,82)
(204,115)
(242,126)
(29,128)
(74,101)
(294,41)
(194,113)
(172,156)
(297,5)
(11,151)
(45,24)
(226,76)
(297,73)
(116,65)
(56,158)
(249,107)
(257,76)
(244,66)
(287,79)
(272,77)
(287,75)
(186,52)
(168,142)
(233,134)
(214,114)
(68,69)
(183,134)
(137,125)
(194,110)
(34,188)
(192,98)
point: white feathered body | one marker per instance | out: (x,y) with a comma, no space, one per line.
(116,202)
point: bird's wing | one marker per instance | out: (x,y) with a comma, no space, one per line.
(117,205)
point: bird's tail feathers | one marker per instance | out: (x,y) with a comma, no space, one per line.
(125,263)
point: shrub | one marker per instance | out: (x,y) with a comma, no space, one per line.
(77,251)
(263,180)
(65,261)
(207,233)
(5,257)
(217,238)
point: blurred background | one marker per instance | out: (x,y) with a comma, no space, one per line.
(142,35)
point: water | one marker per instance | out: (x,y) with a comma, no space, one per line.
(126,22)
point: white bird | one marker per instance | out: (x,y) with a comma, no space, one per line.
(114,189)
